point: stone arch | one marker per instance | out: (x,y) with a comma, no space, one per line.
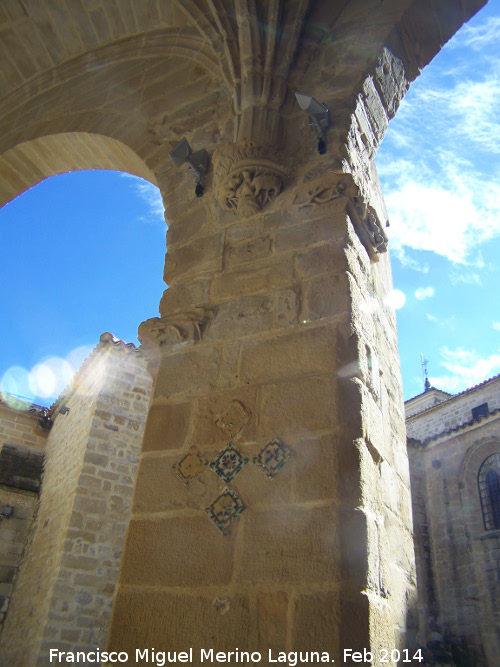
(31,162)
(468,481)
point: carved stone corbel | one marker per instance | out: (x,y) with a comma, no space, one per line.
(363,217)
(180,327)
(246,177)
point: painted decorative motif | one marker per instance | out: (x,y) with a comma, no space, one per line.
(272,458)
(224,510)
(189,467)
(229,462)
(234,418)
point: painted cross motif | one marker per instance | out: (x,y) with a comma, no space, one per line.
(272,458)
(229,462)
(224,510)
(233,419)
(190,466)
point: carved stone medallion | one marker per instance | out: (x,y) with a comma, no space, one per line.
(246,178)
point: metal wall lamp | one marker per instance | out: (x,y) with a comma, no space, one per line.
(318,117)
(198,162)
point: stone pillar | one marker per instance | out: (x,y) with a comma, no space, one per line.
(272,505)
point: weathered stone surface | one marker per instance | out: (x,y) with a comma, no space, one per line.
(319,618)
(284,356)
(296,407)
(156,548)
(242,317)
(216,630)
(268,275)
(249,251)
(167,426)
(197,256)
(191,370)
(325,297)
(286,308)
(298,535)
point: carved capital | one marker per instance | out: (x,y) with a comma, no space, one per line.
(246,177)
(180,327)
(362,215)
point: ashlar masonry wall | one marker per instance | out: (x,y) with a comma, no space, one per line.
(22,443)
(64,592)
(457,557)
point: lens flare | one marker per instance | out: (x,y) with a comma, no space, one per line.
(77,356)
(15,381)
(49,378)
(368,306)
(395,299)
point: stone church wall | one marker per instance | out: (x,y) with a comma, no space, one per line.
(22,443)
(458,559)
(64,592)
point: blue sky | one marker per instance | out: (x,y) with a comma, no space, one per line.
(83,253)
(439,166)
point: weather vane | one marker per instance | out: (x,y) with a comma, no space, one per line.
(424,362)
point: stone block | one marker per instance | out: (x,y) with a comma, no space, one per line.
(184,550)
(272,615)
(220,620)
(243,230)
(301,406)
(187,227)
(260,278)
(327,258)
(317,476)
(290,545)
(328,228)
(197,256)
(206,432)
(287,355)
(190,371)
(242,317)
(229,366)
(90,505)
(249,251)
(158,488)
(326,297)
(286,308)
(167,426)
(316,624)
(256,488)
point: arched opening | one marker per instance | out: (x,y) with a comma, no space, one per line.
(82,253)
(488,480)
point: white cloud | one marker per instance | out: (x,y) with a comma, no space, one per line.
(478,36)
(466,369)
(431,318)
(151,196)
(462,278)
(424,293)
(496,326)
(440,165)
(450,220)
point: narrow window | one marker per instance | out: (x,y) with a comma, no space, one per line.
(489,491)
(480,411)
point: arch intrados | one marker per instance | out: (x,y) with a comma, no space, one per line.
(154,45)
(30,162)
